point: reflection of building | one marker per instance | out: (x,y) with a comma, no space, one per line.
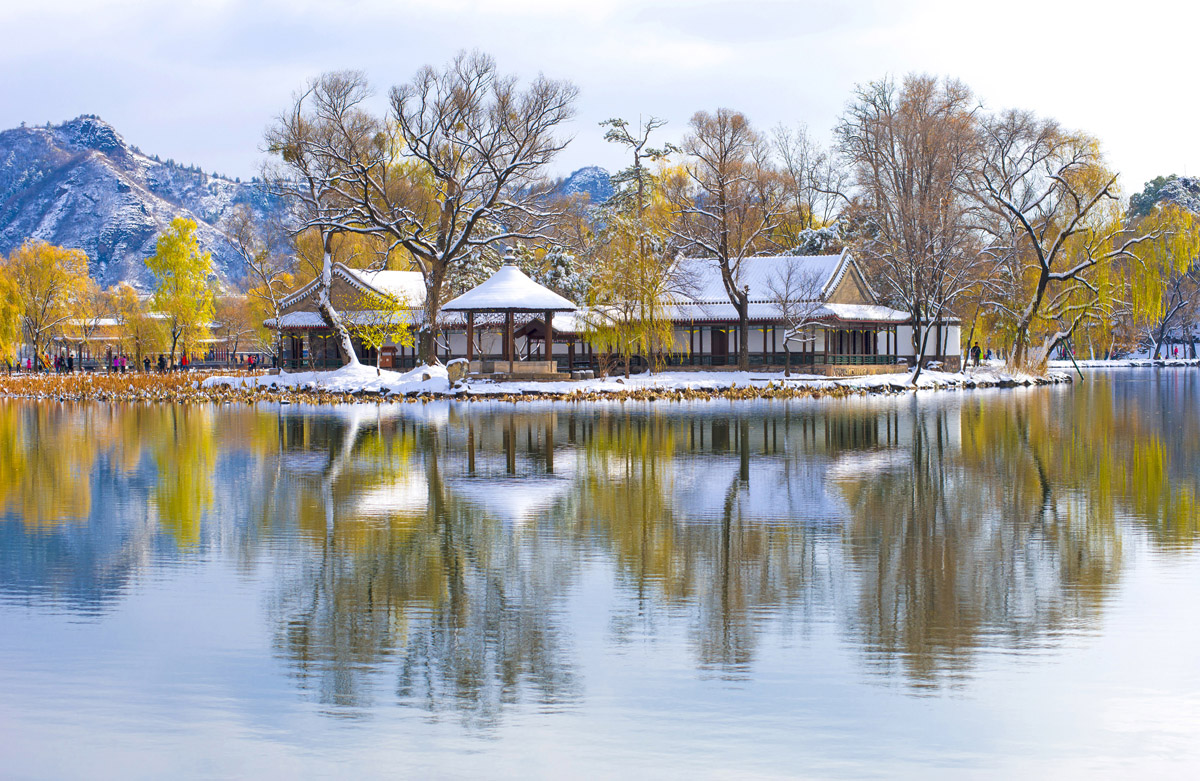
(845,324)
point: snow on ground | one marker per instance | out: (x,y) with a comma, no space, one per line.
(987,376)
(358,378)
(433,380)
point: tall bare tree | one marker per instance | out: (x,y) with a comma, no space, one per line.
(813,183)
(458,165)
(1058,227)
(268,266)
(911,149)
(321,142)
(730,203)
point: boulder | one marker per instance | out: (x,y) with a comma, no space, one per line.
(457,369)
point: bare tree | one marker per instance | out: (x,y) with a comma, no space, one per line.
(813,183)
(1057,205)
(911,150)
(730,205)
(796,293)
(268,266)
(320,141)
(457,166)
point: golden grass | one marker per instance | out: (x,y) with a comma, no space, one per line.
(184,387)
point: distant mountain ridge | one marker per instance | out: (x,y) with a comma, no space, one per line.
(592,181)
(80,185)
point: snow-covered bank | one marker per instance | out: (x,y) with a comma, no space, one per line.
(348,379)
(433,381)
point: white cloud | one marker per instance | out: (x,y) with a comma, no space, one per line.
(199,81)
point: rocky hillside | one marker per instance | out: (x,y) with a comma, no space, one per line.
(80,185)
(592,181)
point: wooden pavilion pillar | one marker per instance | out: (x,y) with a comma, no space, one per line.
(510,351)
(470,336)
(549,335)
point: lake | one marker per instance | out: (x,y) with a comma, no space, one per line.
(979,583)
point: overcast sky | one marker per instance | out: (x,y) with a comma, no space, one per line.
(199,81)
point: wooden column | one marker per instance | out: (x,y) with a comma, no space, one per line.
(549,336)
(510,347)
(470,336)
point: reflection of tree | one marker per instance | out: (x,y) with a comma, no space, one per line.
(1003,525)
(467,613)
(46,457)
(185,454)
(727,569)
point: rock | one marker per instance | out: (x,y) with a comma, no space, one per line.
(457,369)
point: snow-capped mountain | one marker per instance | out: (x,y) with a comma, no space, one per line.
(592,180)
(80,185)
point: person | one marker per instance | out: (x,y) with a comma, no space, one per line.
(975,353)
(113,369)
(70,364)
(146,364)
(162,364)
(122,363)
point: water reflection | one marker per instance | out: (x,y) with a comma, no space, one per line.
(435,555)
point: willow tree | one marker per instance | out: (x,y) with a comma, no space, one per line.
(1057,225)
(10,319)
(631,290)
(381,319)
(46,280)
(136,327)
(1165,284)
(634,278)
(182,292)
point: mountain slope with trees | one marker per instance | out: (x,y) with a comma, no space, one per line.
(80,185)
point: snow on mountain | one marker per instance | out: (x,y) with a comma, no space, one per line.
(592,181)
(80,185)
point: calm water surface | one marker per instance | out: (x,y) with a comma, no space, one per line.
(987,583)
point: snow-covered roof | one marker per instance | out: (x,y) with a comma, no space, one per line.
(725,312)
(408,286)
(704,276)
(509,290)
(865,312)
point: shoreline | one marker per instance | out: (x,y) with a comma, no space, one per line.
(361,385)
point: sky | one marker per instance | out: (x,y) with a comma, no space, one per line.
(200,81)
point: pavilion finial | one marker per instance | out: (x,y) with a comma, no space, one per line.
(510,255)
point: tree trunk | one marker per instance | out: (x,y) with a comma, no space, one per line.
(787,359)
(744,333)
(1021,336)
(433,305)
(921,338)
(344,343)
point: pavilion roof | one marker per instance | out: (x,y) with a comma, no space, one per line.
(509,290)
